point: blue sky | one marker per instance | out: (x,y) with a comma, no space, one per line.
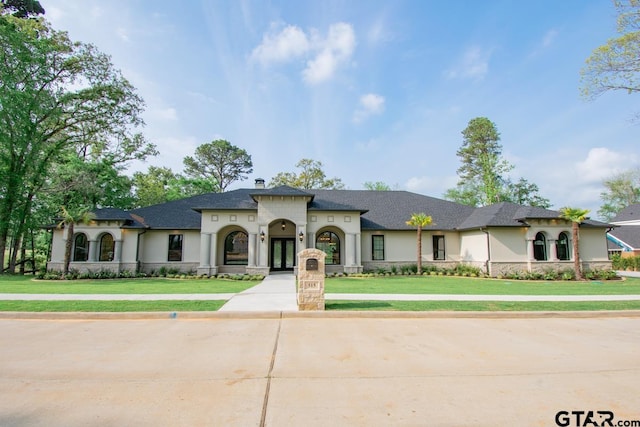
(375,90)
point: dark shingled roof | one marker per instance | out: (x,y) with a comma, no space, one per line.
(630,213)
(629,234)
(111,214)
(379,210)
(389,210)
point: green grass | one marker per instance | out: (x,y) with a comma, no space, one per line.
(25,285)
(477,286)
(342,305)
(110,306)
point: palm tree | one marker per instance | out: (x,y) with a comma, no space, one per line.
(419,220)
(576,216)
(69,218)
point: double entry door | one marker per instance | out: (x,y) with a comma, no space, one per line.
(283,254)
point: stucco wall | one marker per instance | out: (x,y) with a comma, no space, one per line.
(214,221)
(593,244)
(473,247)
(154,246)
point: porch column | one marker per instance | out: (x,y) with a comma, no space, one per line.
(302,244)
(252,249)
(117,251)
(553,253)
(530,256)
(358,249)
(213,255)
(93,251)
(205,250)
(263,251)
(350,250)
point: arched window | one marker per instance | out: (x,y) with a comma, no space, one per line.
(329,243)
(106,248)
(562,247)
(236,248)
(540,247)
(80,247)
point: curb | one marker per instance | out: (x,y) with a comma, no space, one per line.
(216,315)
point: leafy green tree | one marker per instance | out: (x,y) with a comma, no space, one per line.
(311,176)
(615,65)
(483,171)
(22,8)
(420,220)
(44,112)
(69,218)
(621,190)
(376,186)
(160,184)
(576,216)
(524,192)
(219,162)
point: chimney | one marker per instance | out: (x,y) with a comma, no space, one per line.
(259,183)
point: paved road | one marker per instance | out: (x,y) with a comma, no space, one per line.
(316,371)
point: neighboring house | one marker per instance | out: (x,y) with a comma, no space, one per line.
(261,230)
(625,237)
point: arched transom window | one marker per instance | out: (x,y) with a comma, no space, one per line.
(562,247)
(236,248)
(106,248)
(540,247)
(80,247)
(329,243)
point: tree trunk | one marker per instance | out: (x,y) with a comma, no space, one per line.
(419,250)
(576,252)
(67,248)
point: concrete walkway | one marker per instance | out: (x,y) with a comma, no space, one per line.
(277,292)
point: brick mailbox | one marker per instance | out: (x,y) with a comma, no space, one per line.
(311,279)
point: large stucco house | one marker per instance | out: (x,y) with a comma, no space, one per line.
(260,230)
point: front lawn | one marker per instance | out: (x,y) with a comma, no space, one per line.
(477,286)
(344,305)
(25,285)
(110,306)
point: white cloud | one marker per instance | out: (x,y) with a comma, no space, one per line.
(602,163)
(289,43)
(336,49)
(474,64)
(323,54)
(370,104)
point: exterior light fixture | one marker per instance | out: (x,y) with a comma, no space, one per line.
(262,236)
(283,225)
(301,236)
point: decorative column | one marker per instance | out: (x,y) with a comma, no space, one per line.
(117,251)
(553,251)
(358,251)
(530,256)
(205,254)
(252,249)
(350,254)
(93,251)
(262,258)
(213,253)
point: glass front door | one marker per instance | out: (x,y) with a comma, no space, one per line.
(283,254)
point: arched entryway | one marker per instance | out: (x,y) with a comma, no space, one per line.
(282,245)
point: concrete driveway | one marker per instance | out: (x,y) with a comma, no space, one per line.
(297,371)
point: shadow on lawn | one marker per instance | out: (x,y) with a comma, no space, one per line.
(358,305)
